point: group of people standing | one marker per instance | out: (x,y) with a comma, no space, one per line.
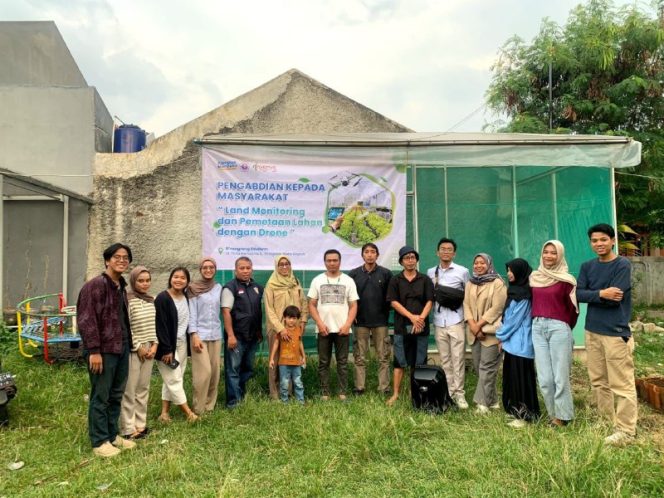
(529,323)
(526,323)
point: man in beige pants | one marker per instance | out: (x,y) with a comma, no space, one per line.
(605,284)
(449,323)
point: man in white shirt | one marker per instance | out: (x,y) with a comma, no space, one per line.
(448,322)
(333,306)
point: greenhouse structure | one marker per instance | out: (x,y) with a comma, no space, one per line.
(503,194)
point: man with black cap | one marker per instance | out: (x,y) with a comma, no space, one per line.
(411,295)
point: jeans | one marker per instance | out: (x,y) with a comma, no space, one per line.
(553,343)
(341,345)
(286,374)
(106,393)
(238,369)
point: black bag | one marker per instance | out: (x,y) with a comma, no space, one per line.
(447,297)
(428,388)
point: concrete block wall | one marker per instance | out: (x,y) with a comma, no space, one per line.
(648,280)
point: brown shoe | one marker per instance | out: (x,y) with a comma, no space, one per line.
(106,450)
(556,422)
(123,444)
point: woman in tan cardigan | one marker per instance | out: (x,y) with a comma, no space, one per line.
(283,289)
(483,305)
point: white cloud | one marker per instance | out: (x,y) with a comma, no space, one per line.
(159,64)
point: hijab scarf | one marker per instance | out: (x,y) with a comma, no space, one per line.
(559,272)
(133,277)
(203,285)
(490,274)
(520,288)
(278,281)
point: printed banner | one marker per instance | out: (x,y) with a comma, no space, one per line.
(263,209)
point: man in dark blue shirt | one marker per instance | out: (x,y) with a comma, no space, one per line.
(605,284)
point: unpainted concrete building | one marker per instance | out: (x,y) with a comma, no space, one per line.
(51,125)
(151,200)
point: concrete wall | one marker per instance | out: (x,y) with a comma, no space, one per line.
(52,133)
(34,53)
(33,246)
(51,125)
(648,280)
(151,200)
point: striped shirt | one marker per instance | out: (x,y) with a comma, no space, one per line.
(142,322)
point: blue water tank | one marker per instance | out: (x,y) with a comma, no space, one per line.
(128,138)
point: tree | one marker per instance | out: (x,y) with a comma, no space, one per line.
(607,77)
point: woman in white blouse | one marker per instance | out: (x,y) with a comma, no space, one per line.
(205,334)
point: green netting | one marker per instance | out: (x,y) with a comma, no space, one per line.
(504,211)
(511,211)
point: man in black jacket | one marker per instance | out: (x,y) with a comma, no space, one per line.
(243,322)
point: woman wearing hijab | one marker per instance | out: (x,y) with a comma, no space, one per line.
(133,414)
(555,313)
(205,336)
(283,289)
(515,334)
(483,305)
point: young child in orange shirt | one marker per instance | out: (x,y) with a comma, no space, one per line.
(291,355)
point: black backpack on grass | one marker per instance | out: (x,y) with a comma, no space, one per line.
(428,388)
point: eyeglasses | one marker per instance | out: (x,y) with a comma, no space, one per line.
(120,258)
(282,265)
(445,249)
(207,268)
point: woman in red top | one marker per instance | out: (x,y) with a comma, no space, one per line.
(555,312)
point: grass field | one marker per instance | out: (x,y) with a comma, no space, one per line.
(360,448)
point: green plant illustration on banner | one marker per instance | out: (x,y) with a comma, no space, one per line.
(360,208)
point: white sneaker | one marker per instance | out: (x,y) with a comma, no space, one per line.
(461,402)
(619,438)
(106,450)
(517,423)
(495,406)
(482,410)
(123,444)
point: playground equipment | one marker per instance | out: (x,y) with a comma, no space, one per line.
(47,322)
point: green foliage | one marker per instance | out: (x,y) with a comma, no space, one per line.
(648,354)
(7,339)
(607,68)
(360,226)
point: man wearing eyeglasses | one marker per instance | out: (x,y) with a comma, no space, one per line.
(104,327)
(449,322)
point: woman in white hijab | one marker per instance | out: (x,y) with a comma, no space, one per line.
(555,312)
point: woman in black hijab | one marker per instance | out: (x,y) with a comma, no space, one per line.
(519,381)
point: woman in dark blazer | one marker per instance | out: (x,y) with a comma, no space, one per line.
(172,321)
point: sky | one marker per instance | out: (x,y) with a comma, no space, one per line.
(423,63)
